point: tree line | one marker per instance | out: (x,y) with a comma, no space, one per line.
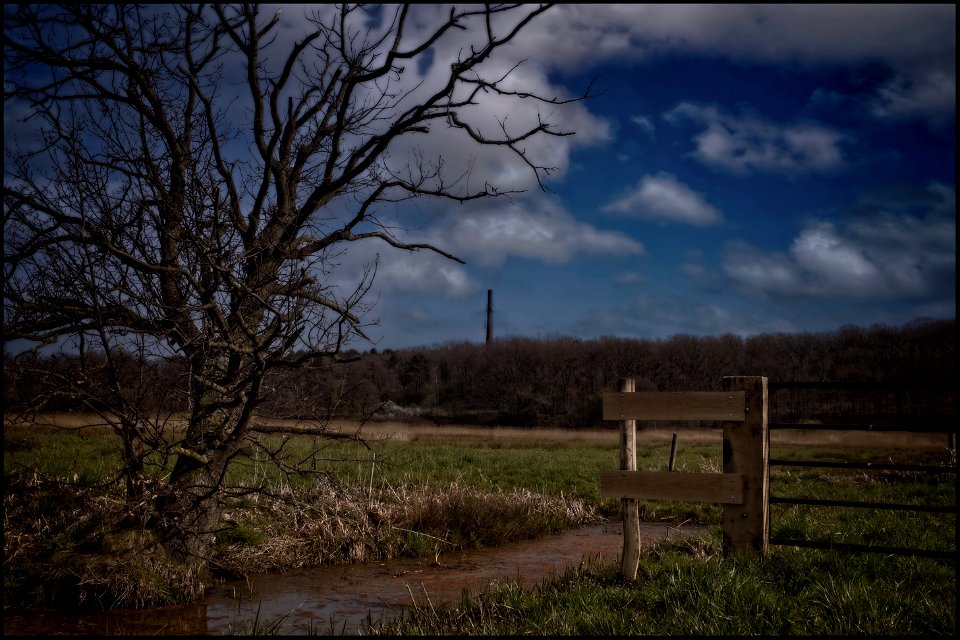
(526,382)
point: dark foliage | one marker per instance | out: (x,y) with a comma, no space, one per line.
(559,382)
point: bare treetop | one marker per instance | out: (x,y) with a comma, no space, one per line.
(211,165)
(190,178)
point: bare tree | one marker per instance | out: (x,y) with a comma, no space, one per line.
(188,192)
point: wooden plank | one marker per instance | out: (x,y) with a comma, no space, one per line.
(674,405)
(724,488)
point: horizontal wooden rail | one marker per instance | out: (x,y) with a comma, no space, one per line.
(680,405)
(725,488)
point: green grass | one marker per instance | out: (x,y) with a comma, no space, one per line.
(431,493)
(687,588)
(68,455)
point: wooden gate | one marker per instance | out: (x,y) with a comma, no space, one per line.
(743,488)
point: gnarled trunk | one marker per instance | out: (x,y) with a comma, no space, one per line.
(189,520)
(189,512)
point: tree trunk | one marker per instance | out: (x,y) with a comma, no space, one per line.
(189,520)
(190,512)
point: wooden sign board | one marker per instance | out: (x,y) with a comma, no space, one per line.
(723,488)
(680,405)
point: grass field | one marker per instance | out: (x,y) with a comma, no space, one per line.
(420,490)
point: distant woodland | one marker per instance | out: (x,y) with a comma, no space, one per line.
(553,382)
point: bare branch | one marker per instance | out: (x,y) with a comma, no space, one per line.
(177,213)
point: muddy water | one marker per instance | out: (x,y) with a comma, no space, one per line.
(344,599)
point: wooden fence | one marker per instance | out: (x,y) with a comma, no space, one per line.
(743,487)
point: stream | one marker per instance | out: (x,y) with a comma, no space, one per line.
(344,599)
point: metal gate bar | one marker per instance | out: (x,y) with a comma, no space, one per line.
(864,505)
(881,466)
(847,546)
(932,424)
(948,425)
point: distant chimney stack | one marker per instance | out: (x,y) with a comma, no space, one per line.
(489,316)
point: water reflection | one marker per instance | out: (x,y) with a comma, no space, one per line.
(345,599)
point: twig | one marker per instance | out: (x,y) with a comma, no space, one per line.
(432,610)
(416,607)
(373,464)
(420,533)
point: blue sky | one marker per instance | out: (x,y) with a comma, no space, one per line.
(740,169)
(745,169)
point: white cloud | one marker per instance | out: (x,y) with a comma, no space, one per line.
(749,144)
(630,278)
(424,272)
(645,124)
(495,115)
(663,197)
(813,33)
(485,235)
(838,264)
(421,272)
(531,229)
(888,255)
(451,150)
(916,41)
(930,95)
(760,271)
(491,114)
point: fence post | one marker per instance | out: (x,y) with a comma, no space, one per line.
(746,450)
(630,560)
(673,452)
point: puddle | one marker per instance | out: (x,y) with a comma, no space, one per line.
(343,599)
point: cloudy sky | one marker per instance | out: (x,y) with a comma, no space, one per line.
(744,169)
(740,169)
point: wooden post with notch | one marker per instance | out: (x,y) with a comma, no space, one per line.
(746,450)
(630,560)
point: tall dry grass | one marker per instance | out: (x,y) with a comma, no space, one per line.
(336,525)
